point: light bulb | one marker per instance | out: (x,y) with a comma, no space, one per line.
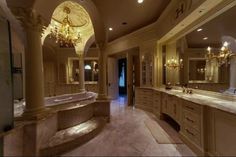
(209,49)
(222,48)
(226,44)
(140,1)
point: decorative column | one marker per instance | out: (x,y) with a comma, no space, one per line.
(102,86)
(233,75)
(34,79)
(81,74)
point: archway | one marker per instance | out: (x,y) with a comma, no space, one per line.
(46,8)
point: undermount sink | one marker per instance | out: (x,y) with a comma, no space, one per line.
(176,90)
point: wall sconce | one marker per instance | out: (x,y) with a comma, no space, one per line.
(174,63)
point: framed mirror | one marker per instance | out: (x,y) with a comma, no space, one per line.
(197,70)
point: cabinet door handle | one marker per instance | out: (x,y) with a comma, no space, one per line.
(175,111)
(191,108)
(190,120)
(189,132)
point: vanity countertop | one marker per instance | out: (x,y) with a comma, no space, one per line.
(227,105)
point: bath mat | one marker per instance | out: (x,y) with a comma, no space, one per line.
(160,134)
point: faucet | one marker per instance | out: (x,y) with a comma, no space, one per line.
(186,89)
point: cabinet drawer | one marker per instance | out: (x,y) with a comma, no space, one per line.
(192,119)
(192,134)
(192,107)
(147,97)
(156,94)
(146,91)
(146,108)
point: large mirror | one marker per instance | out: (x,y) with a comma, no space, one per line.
(201,58)
(197,70)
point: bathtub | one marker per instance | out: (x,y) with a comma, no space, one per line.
(57,101)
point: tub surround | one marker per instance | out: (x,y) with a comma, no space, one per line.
(206,119)
(69,124)
(61,101)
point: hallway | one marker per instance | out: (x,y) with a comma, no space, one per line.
(127,135)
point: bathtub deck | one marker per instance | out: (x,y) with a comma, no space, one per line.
(60,102)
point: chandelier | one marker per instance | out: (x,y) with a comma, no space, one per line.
(64,32)
(201,70)
(173,63)
(223,57)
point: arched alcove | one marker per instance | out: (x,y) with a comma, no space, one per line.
(47,12)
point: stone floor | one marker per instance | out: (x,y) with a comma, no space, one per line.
(127,135)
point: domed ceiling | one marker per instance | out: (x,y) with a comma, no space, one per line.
(77,17)
(77,14)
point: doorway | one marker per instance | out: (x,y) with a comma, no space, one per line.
(122,77)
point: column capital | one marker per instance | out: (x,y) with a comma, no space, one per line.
(80,54)
(101,45)
(29,18)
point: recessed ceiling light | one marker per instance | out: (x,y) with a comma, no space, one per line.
(140,1)
(110,29)
(205,38)
(200,29)
(124,23)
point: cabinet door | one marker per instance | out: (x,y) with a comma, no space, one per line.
(221,133)
(6,89)
(164,103)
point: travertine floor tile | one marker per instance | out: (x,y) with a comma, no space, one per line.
(127,135)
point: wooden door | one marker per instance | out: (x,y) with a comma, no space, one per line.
(112,70)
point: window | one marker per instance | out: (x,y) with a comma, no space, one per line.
(122,76)
(91,70)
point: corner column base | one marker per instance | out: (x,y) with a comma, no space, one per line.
(37,114)
(102,97)
(82,90)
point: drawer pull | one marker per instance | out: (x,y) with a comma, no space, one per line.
(189,132)
(190,120)
(191,108)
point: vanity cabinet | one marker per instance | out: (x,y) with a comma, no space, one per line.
(192,125)
(171,106)
(221,133)
(205,129)
(144,99)
(157,103)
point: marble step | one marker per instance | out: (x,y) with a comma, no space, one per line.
(75,115)
(68,139)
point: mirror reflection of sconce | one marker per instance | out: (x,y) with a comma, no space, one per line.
(174,63)
(223,57)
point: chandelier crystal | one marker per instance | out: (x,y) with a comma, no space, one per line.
(64,32)
(174,63)
(223,57)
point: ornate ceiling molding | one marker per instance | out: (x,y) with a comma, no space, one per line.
(78,15)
